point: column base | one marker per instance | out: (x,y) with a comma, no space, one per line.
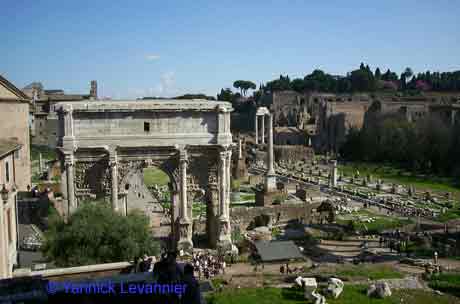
(225,238)
(270,183)
(185,235)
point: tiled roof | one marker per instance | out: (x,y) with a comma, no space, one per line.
(8,146)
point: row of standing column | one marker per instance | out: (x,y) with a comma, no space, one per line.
(262,138)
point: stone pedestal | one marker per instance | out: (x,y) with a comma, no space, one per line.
(225,240)
(270,183)
(264,199)
(184,227)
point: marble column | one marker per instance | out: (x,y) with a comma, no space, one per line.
(256,128)
(222,183)
(228,163)
(270,179)
(114,186)
(271,159)
(225,242)
(263,129)
(183,186)
(333,173)
(185,224)
(240,149)
(70,174)
(40,163)
(212,215)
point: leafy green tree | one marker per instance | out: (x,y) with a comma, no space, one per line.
(244,86)
(298,85)
(97,234)
(226,95)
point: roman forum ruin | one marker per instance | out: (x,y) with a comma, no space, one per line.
(102,144)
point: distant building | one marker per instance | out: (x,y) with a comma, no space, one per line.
(14,127)
(9,149)
(44,119)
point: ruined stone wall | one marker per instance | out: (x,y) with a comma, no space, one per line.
(293,153)
(243,216)
(289,136)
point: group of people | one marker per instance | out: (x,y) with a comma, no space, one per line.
(287,270)
(395,206)
(207,265)
(143,264)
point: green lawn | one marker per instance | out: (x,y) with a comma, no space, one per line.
(400,176)
(352,294)
(378,225)
(446,282)
(155,176)
(373,272)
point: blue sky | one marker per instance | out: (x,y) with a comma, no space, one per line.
(168,48)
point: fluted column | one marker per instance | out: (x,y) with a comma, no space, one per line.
(183,186)
(257,131)
(70,174)
(263,129)
(185,225)
(228,162)
(225,241)
(114,186)
(222,184)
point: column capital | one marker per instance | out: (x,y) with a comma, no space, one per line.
(69,159)
(183,156)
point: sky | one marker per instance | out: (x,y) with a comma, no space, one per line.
(169,48)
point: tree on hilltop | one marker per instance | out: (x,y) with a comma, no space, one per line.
(244,86)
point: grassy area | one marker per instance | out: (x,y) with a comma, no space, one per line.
(47,152)
(450,214)
(373,272)
(446,282)
(247,196)
(379,224)
(352,294)
(155,176)
(400,176)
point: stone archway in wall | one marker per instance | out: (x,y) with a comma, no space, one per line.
(104,146)
(93,180)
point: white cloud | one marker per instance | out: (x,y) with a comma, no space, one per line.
(152,57)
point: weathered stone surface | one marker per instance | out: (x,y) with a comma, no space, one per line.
(335,287)
(379,290)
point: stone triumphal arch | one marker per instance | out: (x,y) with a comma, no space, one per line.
(101,142)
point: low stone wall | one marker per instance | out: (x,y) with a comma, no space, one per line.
(82,272)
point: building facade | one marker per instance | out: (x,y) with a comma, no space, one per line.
(9,152)
(14,126)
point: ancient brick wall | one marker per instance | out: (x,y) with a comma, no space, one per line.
(243,216)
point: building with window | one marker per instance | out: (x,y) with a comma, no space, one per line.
(9,151)
(14,127)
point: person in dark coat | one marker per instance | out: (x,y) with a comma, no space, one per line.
(192,293)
